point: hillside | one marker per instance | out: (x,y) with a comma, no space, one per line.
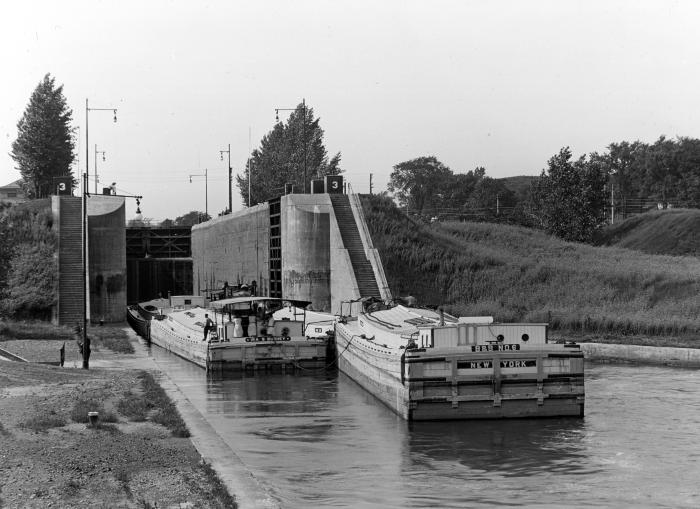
(28,270)
(520,185)
(670,232)
(520,274)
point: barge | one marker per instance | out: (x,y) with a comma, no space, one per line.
(428,365)
(247,334)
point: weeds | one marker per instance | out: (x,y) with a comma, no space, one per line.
(72,487)
(123,477)
(134,407)
(154,402)
(34,330)
(219,492)
(166,412)
(79,412)
(112,338)
(3,431)
(43,422)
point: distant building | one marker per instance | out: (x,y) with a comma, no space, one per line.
(13,193)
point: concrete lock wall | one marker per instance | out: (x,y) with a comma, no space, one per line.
(232,248)
(306,250)
(315,264)
(106,258)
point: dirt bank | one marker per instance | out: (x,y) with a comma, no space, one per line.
(47,459)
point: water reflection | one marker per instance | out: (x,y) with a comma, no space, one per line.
(510,448)
(322,441)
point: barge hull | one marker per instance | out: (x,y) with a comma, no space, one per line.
(464,398)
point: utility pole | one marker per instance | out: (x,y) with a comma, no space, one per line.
(230,177)
(612,203)
(86,194)
(97,178)
(303,102)
(497,204)
(370,183)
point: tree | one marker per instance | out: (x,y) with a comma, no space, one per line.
(491,199)
(569,197)
(287,153)
(44,147)
(417,184)
(191,218)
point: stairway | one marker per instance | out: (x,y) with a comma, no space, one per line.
(70,262)
(364,274)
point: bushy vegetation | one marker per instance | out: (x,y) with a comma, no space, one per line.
(112,338)
(81,407)
(514,273)
(43,421)
(28,265)
(154,402)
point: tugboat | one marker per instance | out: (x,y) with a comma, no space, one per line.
(429,365)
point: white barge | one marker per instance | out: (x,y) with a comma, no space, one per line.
(248,334)
(426,365)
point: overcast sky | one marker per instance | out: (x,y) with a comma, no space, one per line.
(502,85)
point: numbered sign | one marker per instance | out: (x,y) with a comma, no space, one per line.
(63,186)
(334,184)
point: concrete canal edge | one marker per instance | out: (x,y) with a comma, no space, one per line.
(661,355)
(214,450)
(11,356)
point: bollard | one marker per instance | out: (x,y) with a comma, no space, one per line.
(92,418)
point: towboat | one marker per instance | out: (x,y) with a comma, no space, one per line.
(248,334)
(429,365)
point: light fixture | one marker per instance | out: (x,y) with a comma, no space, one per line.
(115,116)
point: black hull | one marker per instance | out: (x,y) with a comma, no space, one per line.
(140,325)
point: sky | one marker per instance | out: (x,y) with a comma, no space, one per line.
(498,84)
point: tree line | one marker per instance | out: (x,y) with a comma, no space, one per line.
(571,198)
(568,199)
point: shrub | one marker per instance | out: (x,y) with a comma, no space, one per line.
(79,412)
(134,407)
(43,422)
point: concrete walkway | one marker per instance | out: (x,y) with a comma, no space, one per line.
(681,357)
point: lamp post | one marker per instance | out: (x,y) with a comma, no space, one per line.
(86,296)
(206,189)
(303,130)
(221,153)
(97,179)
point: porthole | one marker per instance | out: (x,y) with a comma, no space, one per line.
(500,338)
(525,337)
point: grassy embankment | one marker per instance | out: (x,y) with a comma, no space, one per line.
(667,232)
(520,274)
(133,457)
(112,338)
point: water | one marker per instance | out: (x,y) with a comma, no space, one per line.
(322,441)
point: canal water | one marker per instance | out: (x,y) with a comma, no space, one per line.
(322,441)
